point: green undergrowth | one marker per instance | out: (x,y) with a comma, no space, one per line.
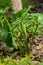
(18,30)
(21,29)
(4,3)
(24,61)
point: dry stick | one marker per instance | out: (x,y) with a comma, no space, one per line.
(16,5)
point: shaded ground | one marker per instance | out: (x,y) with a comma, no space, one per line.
(37,48)
(38,8)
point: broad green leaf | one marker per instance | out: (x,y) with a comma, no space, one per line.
(4,33)
(24,61)
(14,54)
(1,11)
(40,18)
(9,41)
(14,43)
(24,29)
(41,63)
(19,14)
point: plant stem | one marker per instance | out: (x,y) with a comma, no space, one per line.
(10,28)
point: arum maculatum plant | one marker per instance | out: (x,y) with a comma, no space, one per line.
(20,29)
